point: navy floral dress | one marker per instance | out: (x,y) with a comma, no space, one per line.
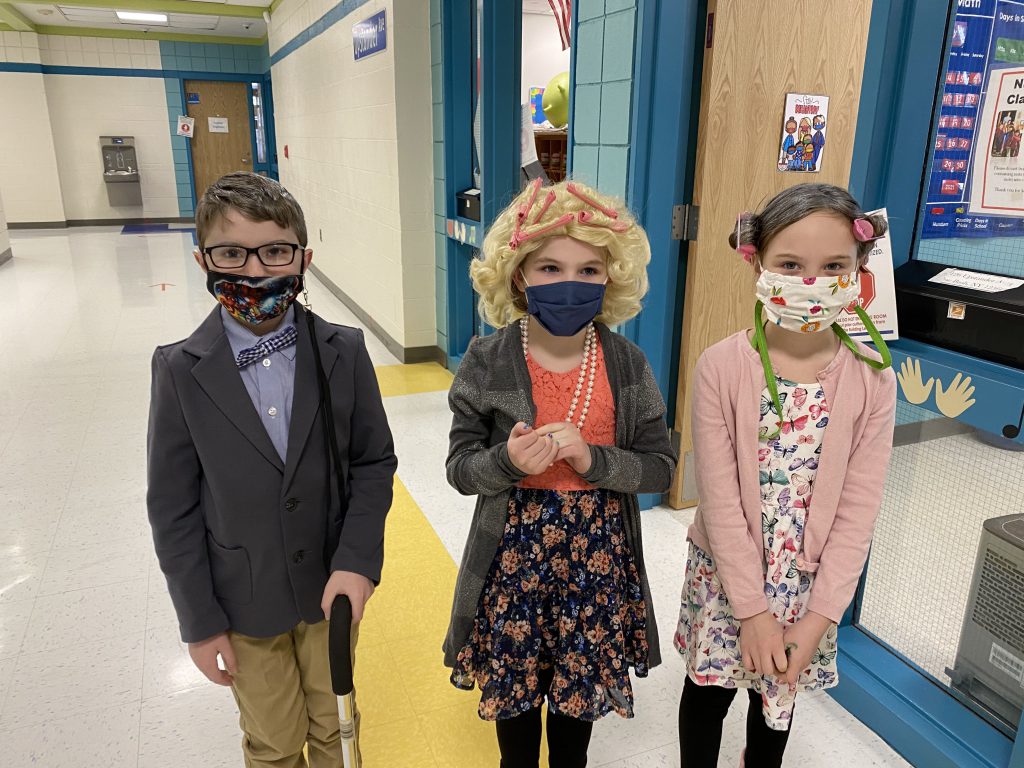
(563,593)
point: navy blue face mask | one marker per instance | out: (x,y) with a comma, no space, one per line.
(564,308)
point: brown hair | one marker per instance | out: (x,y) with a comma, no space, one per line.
(795,203)
(256,197)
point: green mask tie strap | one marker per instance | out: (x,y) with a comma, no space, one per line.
(876,338)
(760,343)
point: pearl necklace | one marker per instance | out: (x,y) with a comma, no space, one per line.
(589,355)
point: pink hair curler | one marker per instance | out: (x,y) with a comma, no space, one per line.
(864,230)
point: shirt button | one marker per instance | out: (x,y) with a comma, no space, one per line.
(291,504)
(272,411)
(266,362)
(298,557)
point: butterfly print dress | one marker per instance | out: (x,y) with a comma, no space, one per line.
(707,634)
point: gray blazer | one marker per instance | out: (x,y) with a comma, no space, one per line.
(491,393)
(245,540)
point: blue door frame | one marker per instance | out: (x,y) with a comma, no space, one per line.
(501,26)
(661,166)
(668,61)
(888,692)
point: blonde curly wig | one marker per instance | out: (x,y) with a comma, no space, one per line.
(584,214)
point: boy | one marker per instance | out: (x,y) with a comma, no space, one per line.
(240,491)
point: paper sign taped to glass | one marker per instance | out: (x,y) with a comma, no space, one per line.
(877,292)
(997,185)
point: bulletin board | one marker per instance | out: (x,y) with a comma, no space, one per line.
(975,184)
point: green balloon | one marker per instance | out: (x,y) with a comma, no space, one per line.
(556,100)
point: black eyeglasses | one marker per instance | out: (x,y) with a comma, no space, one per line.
(235,256)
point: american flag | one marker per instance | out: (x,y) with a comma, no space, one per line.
(562,11)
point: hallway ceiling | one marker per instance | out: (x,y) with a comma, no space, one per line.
(219,18)
(536,6)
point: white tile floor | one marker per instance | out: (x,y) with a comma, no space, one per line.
(91,672)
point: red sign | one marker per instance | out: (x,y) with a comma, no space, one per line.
(867,291)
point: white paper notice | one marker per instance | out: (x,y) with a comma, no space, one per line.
(997,179)
(527,145)
(976,280)
(218,124)
(186,125)
(877,294)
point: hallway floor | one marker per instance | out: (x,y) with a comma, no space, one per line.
(92,674)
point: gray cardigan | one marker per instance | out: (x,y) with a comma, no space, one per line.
(491,393)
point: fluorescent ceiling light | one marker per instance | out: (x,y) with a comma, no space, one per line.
(152,18)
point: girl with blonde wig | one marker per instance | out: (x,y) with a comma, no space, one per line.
(558,424)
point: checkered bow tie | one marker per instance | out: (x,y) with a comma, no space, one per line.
(282,340)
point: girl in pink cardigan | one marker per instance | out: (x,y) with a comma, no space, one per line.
(789,410)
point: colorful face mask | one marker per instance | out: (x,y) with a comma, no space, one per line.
(811,306)
(254,300)
(564,308)
(805,304)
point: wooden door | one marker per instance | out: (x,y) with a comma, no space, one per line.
(757,53)
(215,153)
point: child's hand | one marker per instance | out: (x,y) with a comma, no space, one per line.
(571,446)
(204,656)
(531,451)
(802,640)
(761,641)
(357,587)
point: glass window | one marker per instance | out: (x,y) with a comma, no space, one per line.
(945,581)
(258,116)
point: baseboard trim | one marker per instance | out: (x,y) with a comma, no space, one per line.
(6,256)
(406,354)
(100,222)
(37,225)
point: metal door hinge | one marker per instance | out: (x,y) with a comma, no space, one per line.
(684,221)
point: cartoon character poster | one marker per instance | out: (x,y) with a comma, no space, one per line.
(803,133)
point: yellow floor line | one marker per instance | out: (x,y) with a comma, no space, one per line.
(412,716)
(398,380)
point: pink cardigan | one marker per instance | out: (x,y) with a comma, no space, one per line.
(848,488)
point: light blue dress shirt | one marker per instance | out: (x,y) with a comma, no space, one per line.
(270,381)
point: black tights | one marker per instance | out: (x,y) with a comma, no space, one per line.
(519,737)
(702,711)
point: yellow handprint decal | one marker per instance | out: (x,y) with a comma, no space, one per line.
(956,399)
(914,389)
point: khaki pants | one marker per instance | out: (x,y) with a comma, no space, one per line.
(285,699)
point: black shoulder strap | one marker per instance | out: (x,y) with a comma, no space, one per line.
(327,413)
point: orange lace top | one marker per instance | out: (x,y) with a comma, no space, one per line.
(552,396)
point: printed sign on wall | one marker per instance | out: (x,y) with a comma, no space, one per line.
(877,293)
(803,133)
(369,36)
